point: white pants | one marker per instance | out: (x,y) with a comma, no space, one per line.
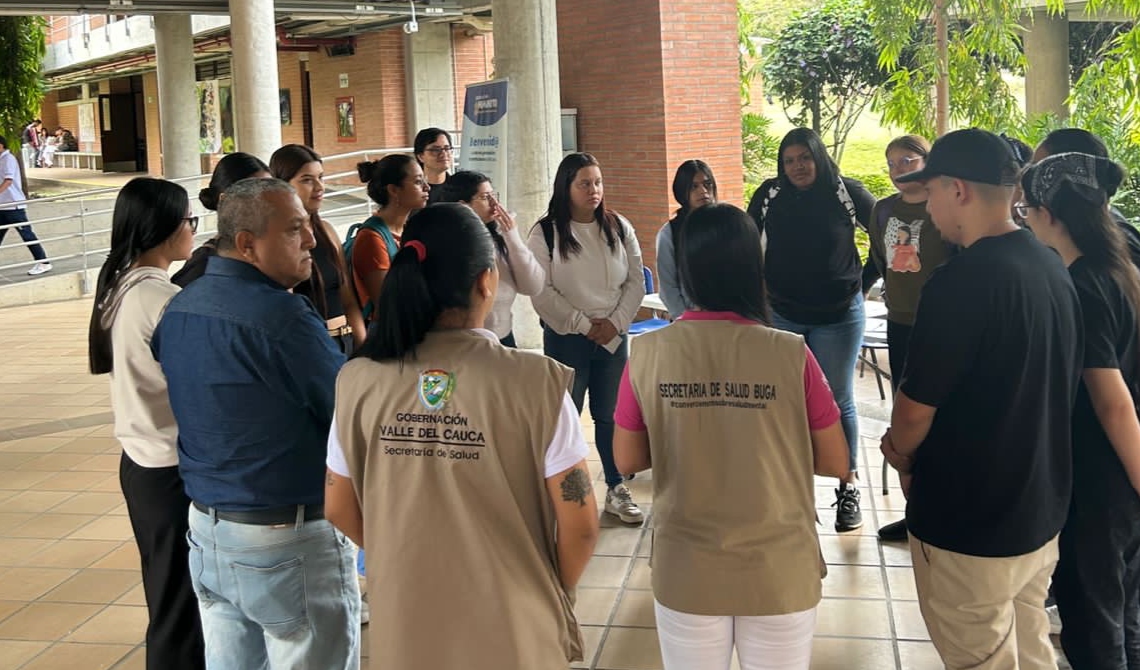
(698,642)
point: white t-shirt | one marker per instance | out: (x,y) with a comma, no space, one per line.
(10,169)
(567,448)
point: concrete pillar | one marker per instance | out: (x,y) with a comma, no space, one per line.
(178,110)
(257,114)
(1047,65)
(526,53)
(430,78)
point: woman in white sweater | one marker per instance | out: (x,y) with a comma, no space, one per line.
(152,226)
(594,286)
(519,272)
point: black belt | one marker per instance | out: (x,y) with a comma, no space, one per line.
(273,516)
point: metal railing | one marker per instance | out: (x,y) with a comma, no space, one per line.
(90,226)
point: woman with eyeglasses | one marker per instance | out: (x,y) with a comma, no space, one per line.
(396,184)
(519,272)
(693,186)
(433,151)
(152,226)
(328,287)
(231,169)
(1097,579)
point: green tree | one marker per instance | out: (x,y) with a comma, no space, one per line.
(824,69)
(21,83)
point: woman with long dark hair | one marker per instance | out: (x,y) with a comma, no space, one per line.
(594,286)
(447,450)
(230,169)
(693,186)
(328,287)
(722,397)
(152,226)
(1097,579)
(396,184)
(807,217)
(519,272)
(433,151)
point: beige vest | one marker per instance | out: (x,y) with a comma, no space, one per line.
(447,456)
(733,494)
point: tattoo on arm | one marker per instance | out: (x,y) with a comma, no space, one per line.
(576,486)
(329,479)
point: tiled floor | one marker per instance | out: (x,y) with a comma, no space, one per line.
(70,594)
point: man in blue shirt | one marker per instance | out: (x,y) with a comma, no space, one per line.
(251,373)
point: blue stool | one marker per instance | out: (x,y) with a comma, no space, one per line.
(360,562)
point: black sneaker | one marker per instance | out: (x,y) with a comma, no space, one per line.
(847,516)
(894,532)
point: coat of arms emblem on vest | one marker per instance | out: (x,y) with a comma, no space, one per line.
(436,387)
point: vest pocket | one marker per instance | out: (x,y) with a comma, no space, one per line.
(274,597)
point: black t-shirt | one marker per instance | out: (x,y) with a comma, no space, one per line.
(1110,342)
(996,348)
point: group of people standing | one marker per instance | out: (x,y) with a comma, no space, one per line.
(45,145)
(256,460)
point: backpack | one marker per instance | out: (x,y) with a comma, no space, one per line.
(769,194)
(548,234)
(376,225)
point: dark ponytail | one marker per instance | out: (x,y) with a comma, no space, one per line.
(232,168)
(463,186)
(456,250)
(147,212)
(390,170)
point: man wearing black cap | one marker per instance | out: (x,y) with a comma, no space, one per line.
(980,431)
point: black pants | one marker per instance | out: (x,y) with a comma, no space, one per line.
(158,507)
(898,344)
(1097,580)
(10,216)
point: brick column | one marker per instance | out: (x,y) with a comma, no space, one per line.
(655,83)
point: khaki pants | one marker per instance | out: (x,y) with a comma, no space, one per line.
(986,613)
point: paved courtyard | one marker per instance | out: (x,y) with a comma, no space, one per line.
(70,593)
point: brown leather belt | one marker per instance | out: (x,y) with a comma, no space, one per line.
(273,516)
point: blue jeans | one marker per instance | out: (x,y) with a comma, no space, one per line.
(600,372)
(10,216)
(275,597)
(836,348)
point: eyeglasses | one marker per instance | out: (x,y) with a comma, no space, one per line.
(487,197)
(439,151)
(1021,209)
(192,221)
(904,163)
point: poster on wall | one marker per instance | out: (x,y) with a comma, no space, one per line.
(345,119)
(485,133)
(87,122)
(286,101)
(209,117)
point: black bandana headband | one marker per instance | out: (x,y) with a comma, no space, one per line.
(1075,169)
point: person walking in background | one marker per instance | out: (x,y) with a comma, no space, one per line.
(807,217)
(519,272)
(230,170)
(31,137)
(594,287)
(328,288)
(1097,581)
(693,187)
(985,407)
(12,190)
(736,564)
(152,226)
(434,153)
(251,372)
(509,498)
(900,223)
(396,184)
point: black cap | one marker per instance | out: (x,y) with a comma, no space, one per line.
(973,155)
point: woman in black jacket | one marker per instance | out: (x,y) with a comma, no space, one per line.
(807,216)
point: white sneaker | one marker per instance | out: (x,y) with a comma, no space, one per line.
(39,269)
(1054,620)
(620,503)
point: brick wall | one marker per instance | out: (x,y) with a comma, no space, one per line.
(654,83)
(289,78)
(471,58)
(49,111)
(153,124)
